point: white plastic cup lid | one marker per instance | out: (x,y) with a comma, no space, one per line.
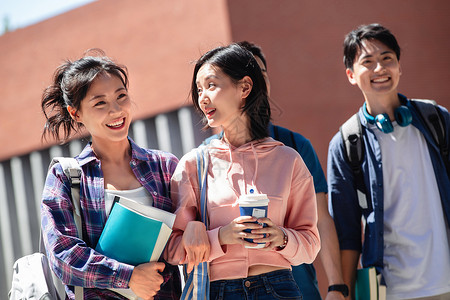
(253,200)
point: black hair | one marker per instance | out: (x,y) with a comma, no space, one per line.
(353,41)
(237,62)
(255,50)
(71,82)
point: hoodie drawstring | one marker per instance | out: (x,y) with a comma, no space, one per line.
(253,186)
(254,174)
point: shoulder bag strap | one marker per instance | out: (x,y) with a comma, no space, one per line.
(197,283)
(202,170)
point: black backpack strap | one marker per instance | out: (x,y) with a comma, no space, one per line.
(434,122)
(351,132)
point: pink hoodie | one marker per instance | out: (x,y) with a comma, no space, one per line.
(269,168)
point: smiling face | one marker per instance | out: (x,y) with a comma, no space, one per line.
(105,111)
(219,98)
(376,70)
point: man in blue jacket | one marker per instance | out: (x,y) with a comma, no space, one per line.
(407,209)
(305,274)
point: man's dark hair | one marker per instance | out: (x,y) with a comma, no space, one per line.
(353,41)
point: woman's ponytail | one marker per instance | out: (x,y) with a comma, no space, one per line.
(54,106)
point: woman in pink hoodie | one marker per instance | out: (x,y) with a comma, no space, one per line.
(228,88)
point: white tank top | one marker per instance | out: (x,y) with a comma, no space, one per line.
(140,195)
(416,236)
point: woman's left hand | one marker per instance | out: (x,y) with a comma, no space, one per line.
(196,244)
(274,235)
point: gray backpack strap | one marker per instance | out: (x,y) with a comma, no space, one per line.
(434,122)
(351,132)
(72,170)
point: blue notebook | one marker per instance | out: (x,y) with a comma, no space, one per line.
(132,236)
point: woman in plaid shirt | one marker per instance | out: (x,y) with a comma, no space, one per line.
(92,93)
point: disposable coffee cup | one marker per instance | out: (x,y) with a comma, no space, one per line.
(254,205)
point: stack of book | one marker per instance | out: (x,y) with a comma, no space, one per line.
(368,286)
(134,234)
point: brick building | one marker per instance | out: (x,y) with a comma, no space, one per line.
(158,40)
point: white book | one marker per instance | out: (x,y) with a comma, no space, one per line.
(166,219)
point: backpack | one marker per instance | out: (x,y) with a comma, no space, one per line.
(352,132)
(32,275)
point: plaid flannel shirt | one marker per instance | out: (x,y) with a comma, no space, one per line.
(74,260)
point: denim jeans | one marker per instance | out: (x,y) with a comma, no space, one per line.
(273,285)
(305,277)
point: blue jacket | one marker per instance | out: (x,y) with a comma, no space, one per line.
(344,206)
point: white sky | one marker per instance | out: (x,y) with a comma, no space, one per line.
(21,13)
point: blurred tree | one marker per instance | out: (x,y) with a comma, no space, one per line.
(5,24)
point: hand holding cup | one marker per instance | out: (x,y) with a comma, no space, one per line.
(254,205)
